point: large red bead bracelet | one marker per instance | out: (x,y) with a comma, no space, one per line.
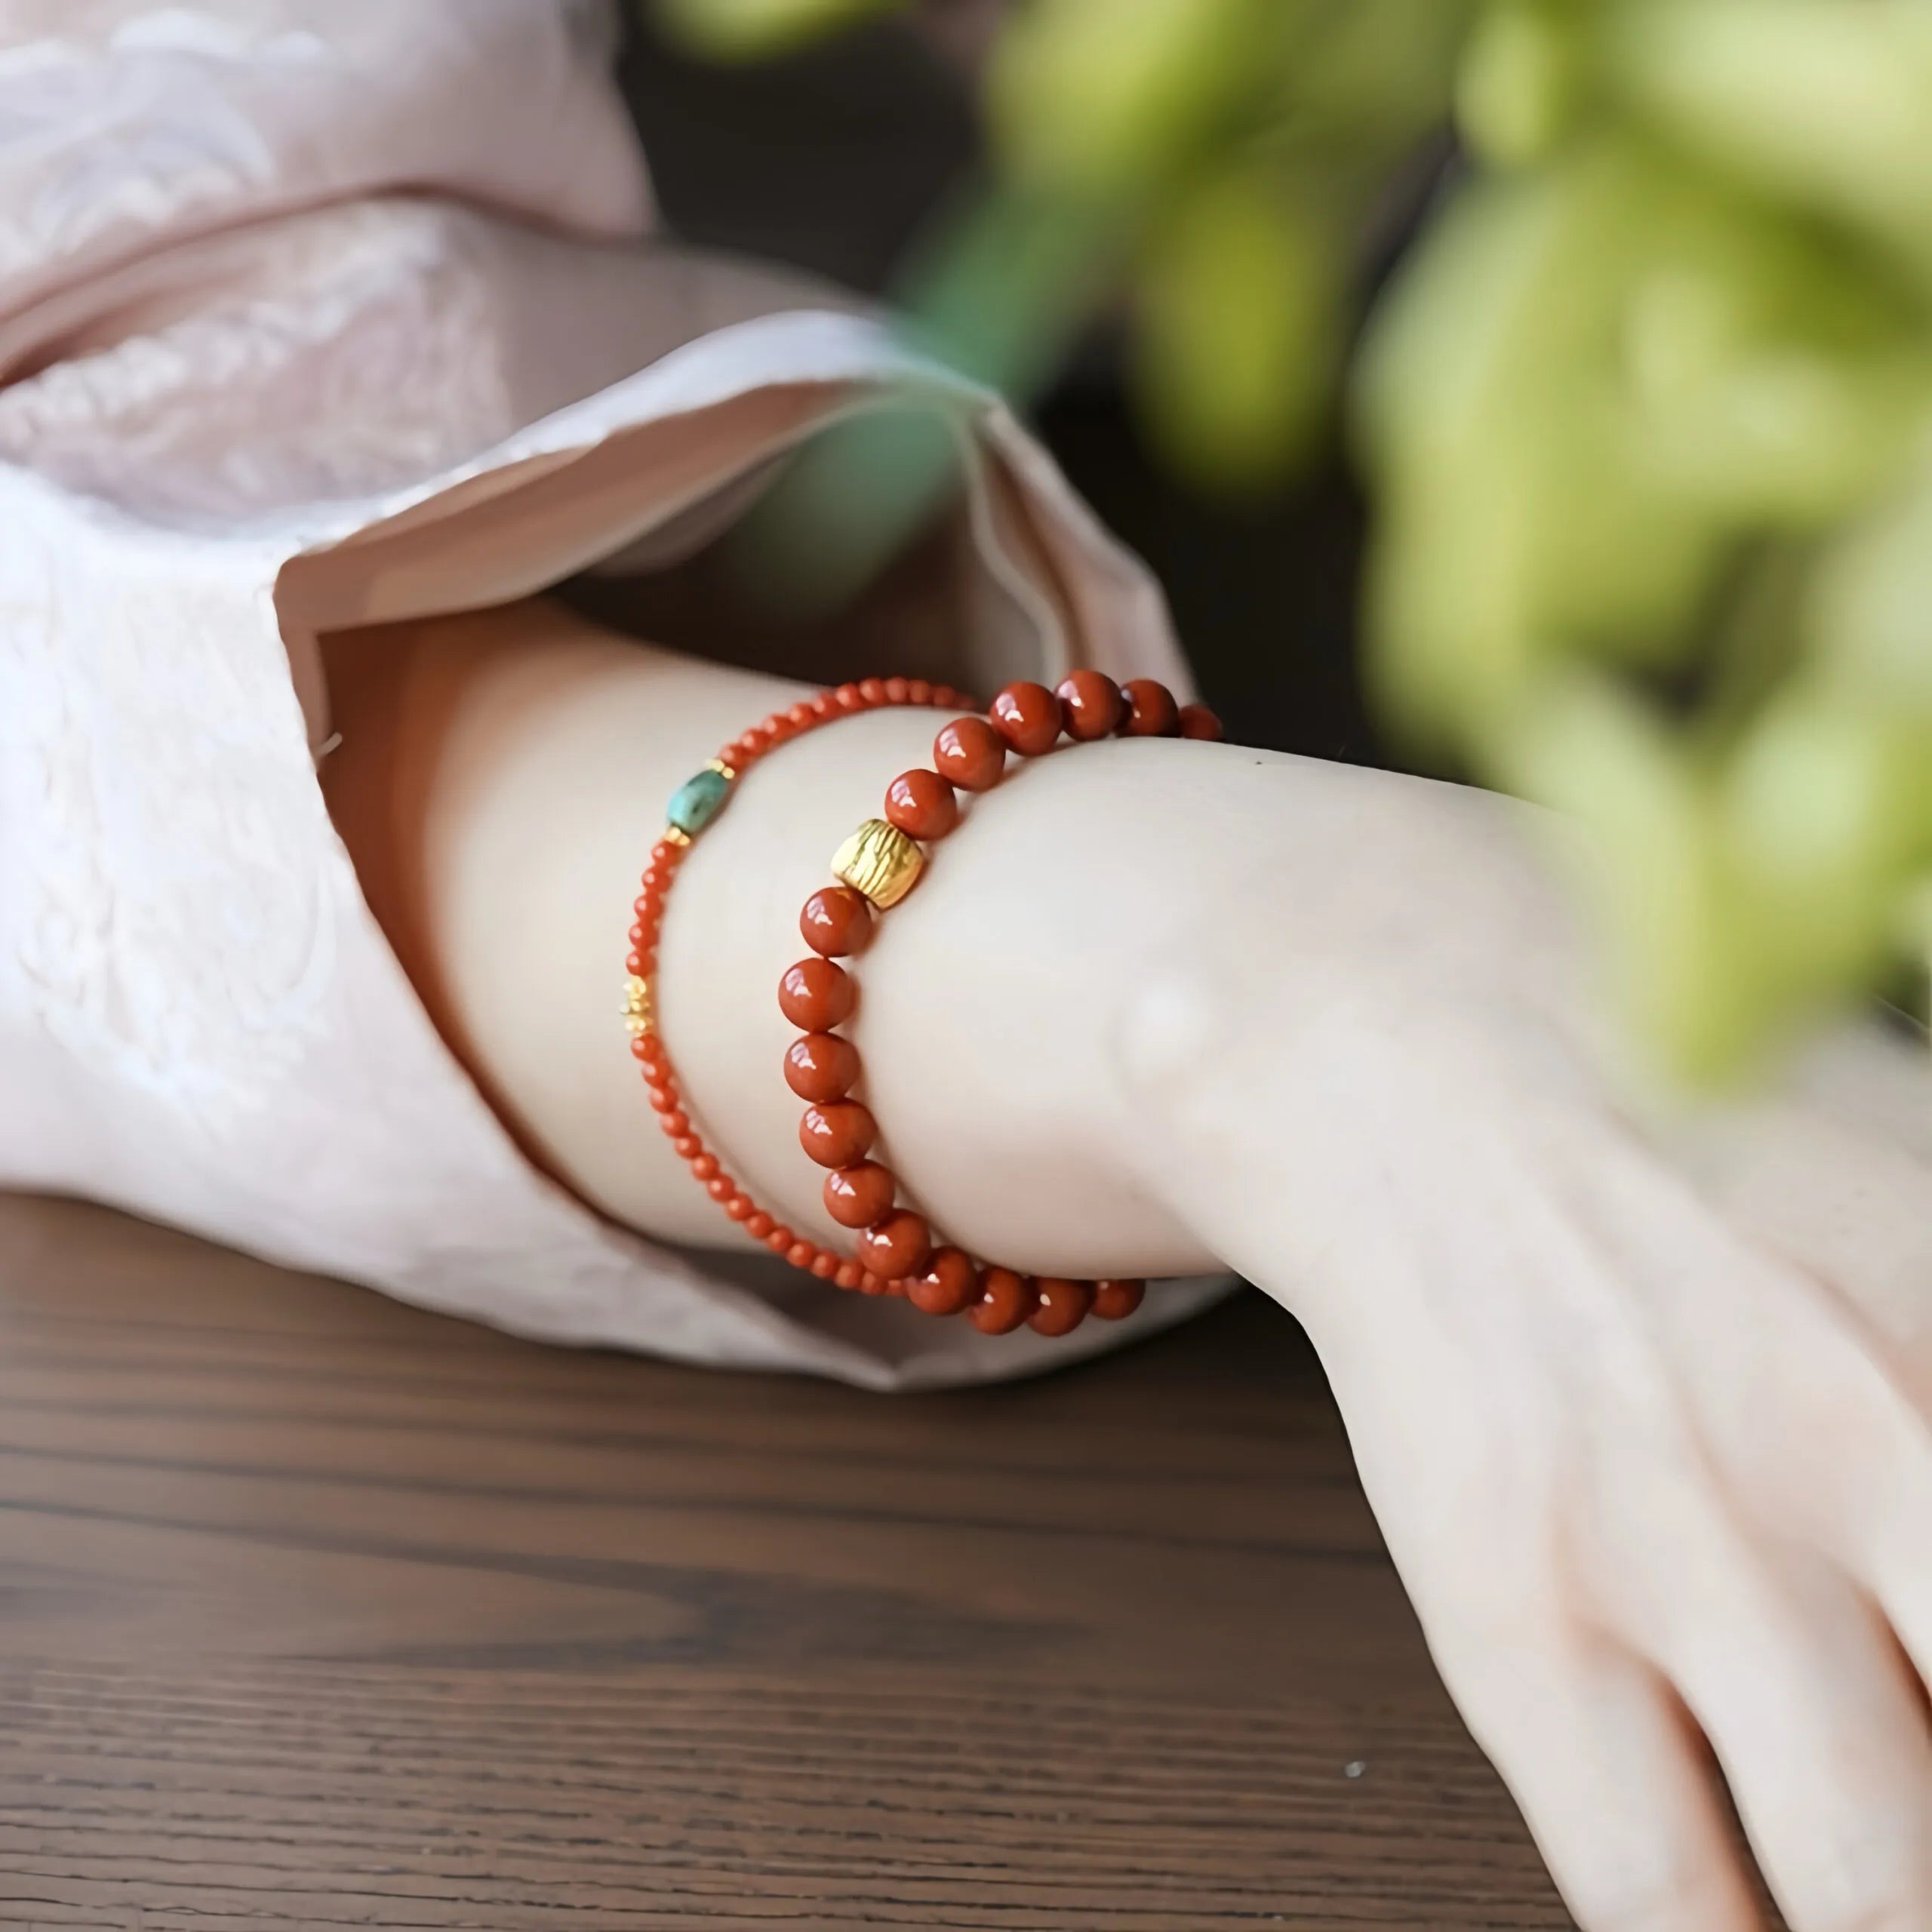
(875,868)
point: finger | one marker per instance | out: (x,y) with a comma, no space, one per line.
(1884,1534)
(1611,1782)
(1825,1446)
(1836,1174)
(1808,1411)
(1902,1578)
(1822,1739)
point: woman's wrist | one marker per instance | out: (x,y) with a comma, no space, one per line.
(1010,1011)
(1400,957)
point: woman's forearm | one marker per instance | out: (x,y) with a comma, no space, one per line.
(1094,935)
(1645,1424)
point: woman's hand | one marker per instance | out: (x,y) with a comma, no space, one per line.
(1646,1428)
(1644,1411)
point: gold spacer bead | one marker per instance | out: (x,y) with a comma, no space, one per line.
(637,1003)
(879,861)
(674,836)
(723,770)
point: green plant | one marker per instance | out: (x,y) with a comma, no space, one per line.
(1646,413)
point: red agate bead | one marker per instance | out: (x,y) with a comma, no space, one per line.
(856,1197)
(1113,1301)
(836,920)
(821,1067)
(1027,716)
(950,1281)
(896,1250)
(816,995)
(1089,705)
(1062,1305)
(1005,1300)
(900,1245)
(1150,711)
(970,753)
(836,1135)
(922,804)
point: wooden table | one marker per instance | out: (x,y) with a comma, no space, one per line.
(315,1611)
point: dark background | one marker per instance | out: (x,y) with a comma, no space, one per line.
(835,160)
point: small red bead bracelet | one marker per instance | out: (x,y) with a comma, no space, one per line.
(875,868)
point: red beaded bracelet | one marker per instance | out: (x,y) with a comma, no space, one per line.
(875,868)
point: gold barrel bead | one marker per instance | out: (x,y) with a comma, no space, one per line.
(880,862)
(637,1004)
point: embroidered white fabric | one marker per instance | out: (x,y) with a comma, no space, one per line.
(319,312)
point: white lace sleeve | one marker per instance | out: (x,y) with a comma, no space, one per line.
(258,389)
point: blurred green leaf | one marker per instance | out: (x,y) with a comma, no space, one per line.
(1824,104)
(1869,619)
(756,29)
(1015,276)
(1369,77)
(1770,381)
(1667,915)
(1828,812)
(1646,413)
(1236,340)
(1516,524)
(1517,85)
(1099,98)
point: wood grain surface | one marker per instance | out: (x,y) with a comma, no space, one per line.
(318,1611)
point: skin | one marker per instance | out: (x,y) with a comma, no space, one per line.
(1642,1397)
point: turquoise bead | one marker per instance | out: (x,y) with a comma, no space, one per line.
(697,802)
